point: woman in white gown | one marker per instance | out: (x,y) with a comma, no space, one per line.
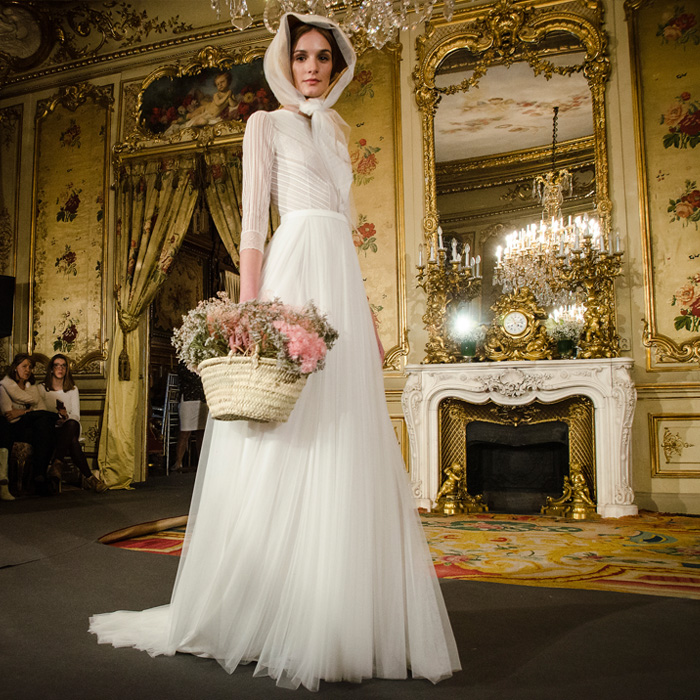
(304,552)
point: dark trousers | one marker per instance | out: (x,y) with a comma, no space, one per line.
(38,428)
(67,444)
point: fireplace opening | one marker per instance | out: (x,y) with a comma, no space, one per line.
(515,468)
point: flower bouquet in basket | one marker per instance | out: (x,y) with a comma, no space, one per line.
(253,358)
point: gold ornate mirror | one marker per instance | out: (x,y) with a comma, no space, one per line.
(486,84)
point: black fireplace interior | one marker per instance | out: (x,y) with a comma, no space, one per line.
(516,467)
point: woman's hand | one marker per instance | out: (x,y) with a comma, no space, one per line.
(251,265)
(15,413)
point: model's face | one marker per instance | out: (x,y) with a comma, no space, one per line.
(59,369)
(312,64)
(24,370)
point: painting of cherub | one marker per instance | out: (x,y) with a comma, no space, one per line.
(169,104)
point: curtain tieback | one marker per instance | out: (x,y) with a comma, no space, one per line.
(128,322)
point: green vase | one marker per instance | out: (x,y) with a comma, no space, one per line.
(565,348)
(468,348)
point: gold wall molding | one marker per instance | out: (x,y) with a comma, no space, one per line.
(10,169)
(72,35)
(672,453)
(72,96)
(54,172)
(10,140)
(501,33)
(664,353)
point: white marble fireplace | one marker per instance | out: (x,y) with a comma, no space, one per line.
(606,382)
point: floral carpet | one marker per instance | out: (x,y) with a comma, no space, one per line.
(652,553)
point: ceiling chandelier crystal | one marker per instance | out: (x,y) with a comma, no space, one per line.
(531,255)
(379,20)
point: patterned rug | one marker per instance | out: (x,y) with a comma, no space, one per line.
(652,553)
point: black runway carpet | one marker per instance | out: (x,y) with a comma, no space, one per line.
(515,642)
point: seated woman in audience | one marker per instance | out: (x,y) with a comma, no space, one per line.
(23,409)
(192,410)
(5,445)
(60,395)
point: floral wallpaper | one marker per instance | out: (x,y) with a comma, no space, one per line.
(69,229)
(669,52)
(369,106)
(10,164)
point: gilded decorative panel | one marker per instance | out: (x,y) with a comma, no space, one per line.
(10,167)
(67,292)
(675,445)
(665,45)
(370,105)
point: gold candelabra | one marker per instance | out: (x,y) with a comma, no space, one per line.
(447,284)
(589,261)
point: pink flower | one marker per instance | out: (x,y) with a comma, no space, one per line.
(674,114)
(687,294)
(684,210)
(672,33)
(302,345)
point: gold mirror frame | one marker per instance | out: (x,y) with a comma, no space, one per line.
(502,33)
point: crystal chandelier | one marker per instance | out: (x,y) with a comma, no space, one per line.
(379,20)
(530,256)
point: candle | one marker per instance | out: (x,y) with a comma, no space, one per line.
(432,252)
(478,264)
(499,252)
(576,242)
(455,256)
(440,246)
(617,243)
(420,255)
(466,253)
(561,246)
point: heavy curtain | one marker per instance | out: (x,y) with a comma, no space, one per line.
(223,186)
(155,201)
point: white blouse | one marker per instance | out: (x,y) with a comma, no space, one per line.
(71,400)
(281,161)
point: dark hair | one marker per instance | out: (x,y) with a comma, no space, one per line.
(297,29)
(19,358)
(68,383)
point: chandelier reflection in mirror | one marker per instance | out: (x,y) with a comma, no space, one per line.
(379,20)
(531,255)
(563,263)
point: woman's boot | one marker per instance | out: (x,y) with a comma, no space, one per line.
(55,475)
(5,494)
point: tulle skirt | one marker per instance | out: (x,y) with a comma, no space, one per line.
(304,552)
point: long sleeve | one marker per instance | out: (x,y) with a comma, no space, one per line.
(70,399)
(21,398)
(5,402)
(258,157)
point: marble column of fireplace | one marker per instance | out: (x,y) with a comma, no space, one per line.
(607,382)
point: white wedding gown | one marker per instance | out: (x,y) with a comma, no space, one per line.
(304,551)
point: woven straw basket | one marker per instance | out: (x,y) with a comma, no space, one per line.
(249,388)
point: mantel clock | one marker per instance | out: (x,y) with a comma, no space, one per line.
(517,331)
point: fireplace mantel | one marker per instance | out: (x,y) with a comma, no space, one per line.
(607,382)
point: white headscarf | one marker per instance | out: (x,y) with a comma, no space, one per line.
(328,129)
